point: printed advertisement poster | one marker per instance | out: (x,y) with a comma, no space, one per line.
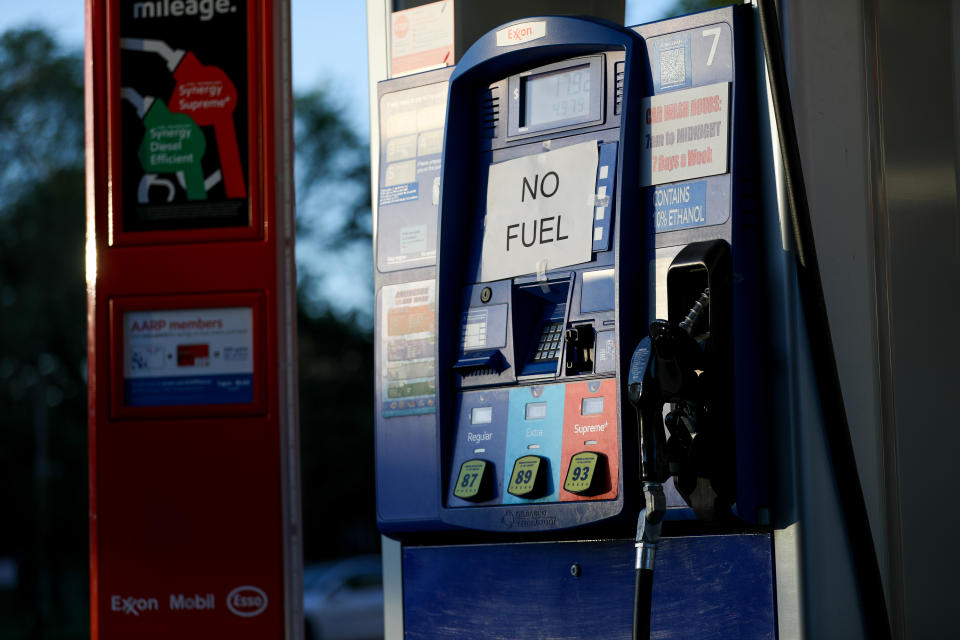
(188,357)
(184,114)
(421,38)
(411,145)
(408,364)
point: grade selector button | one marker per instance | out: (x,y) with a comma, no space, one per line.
(474,483)
(529,477)
(585,474)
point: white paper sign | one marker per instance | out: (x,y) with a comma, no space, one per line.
(685,134)
(539,212)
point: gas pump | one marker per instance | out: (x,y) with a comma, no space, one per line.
(559,145)
(594,179)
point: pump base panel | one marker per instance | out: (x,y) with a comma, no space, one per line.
(718,586)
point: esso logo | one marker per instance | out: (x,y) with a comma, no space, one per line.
(247,601)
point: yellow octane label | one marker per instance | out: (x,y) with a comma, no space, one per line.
(470,479)
(581,472)
(524,478)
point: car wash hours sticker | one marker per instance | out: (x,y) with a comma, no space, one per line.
(188,357)
(184,114)
(684,134)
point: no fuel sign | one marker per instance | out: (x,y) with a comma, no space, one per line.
(539,212)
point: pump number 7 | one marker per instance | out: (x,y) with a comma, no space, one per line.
(715,32)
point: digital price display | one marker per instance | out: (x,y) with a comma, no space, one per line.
(526,481)
(558,95)
(555,96)
(583,472)
(471,483)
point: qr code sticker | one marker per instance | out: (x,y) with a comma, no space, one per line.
(673,67)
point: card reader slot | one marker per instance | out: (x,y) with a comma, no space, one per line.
(480,360)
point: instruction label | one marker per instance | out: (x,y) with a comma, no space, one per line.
(184,114)
(540,212)
(684,134)
(408,383)
(188,357)
(411,144)
(680,206)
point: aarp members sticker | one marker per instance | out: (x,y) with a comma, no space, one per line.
(539,212)
(179,357)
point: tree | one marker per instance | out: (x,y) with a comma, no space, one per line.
(42,388)
(336,342)
(334,226)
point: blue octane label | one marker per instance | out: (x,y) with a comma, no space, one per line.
(680,206)
(399,193)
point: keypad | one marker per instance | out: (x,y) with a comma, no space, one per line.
(548,347)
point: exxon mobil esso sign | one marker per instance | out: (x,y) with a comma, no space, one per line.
(521,32)
(247,601)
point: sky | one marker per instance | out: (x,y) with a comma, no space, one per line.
(329,38)
(329,50)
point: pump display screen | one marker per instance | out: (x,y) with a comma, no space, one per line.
(557,95)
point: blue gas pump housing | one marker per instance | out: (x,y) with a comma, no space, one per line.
(518,268)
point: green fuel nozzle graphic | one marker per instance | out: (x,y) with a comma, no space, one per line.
(172,143)
(209,97)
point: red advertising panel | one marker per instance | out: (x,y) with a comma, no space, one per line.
(193,438)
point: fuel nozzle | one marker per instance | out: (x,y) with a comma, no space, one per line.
(665,367)
(644,394)
(643,391)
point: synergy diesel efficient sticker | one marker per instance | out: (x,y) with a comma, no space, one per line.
(188,357)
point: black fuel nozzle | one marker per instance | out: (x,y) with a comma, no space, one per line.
(643,391)
(665,367)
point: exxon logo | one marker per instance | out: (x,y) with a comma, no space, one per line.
(247,601)
(521,32)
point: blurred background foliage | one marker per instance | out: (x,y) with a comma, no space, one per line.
(43,426)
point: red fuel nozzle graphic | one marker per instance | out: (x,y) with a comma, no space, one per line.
(207,95)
